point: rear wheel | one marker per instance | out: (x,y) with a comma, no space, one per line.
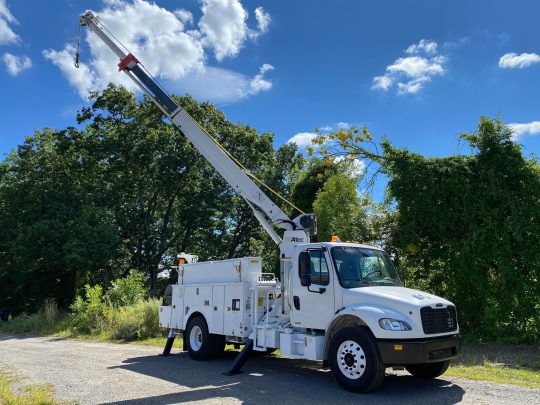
(354,360)
(429,370)
(200,344)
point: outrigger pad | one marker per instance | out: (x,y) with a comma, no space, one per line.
(168,346)
(240,360)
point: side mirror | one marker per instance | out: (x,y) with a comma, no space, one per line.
(305,280)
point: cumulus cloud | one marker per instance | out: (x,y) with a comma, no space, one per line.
(16,64)
(259,82)
(7,36)
(302,139)
(529,128)
(429,47)
(173,53)
(411,73)
(223,26)
(514,61)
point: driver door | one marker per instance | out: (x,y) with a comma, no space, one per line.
(313,305)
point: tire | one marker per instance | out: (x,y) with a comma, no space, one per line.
(200,344)
(429,370)
(355,361)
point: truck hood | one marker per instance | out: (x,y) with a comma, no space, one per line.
(386,295)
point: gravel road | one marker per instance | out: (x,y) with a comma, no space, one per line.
(106,373)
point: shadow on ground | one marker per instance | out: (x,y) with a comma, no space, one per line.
(277,380)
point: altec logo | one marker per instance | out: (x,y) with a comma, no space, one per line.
(295,239)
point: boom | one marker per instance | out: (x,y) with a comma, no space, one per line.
(264,209)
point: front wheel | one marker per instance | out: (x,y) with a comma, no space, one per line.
(429,370)
(354,360)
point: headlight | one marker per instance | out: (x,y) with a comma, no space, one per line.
(393,324)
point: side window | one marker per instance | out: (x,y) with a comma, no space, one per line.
(319,270)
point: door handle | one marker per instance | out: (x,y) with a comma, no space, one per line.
(296,300)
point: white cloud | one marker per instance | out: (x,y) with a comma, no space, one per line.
(185,16)
(530,128)
(514,61)
(259,82)
(223,26)
(382,82)
(172,53)
(7,36)
(263,19)
(302,139)
(219,85)
(411,73)
(16,64)
(429,47)
(81,79)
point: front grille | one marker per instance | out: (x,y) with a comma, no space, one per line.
(438,320)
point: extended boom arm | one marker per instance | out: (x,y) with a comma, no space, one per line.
(264,209)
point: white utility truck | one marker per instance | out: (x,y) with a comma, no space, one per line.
(341,304)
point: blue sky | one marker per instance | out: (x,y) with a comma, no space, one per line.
(417,72)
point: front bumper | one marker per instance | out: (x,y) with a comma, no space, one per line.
(418,351)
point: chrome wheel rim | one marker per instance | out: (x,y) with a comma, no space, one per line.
(351,359)
(195,338)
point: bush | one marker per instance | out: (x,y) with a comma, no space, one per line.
(88,314)
(127,291)
(122,313)
(139,321)
(46,320)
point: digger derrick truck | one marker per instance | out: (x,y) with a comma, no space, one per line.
(341,304)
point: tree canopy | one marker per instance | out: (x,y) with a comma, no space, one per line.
(125,191)
(466,227)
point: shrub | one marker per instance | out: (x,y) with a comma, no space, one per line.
(139,321)
(88,314)
(127,291)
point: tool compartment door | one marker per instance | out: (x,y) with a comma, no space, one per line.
(177,315)
(235,303)
(218,303)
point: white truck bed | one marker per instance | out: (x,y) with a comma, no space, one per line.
(228,293)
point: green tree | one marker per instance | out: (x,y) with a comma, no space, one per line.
(340,211)
(126,192)
(467,226)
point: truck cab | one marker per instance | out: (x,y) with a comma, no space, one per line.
(346,286)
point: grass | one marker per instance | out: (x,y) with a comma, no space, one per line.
(13,391)
(499,363)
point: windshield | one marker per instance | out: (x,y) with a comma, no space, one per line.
(361,267)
